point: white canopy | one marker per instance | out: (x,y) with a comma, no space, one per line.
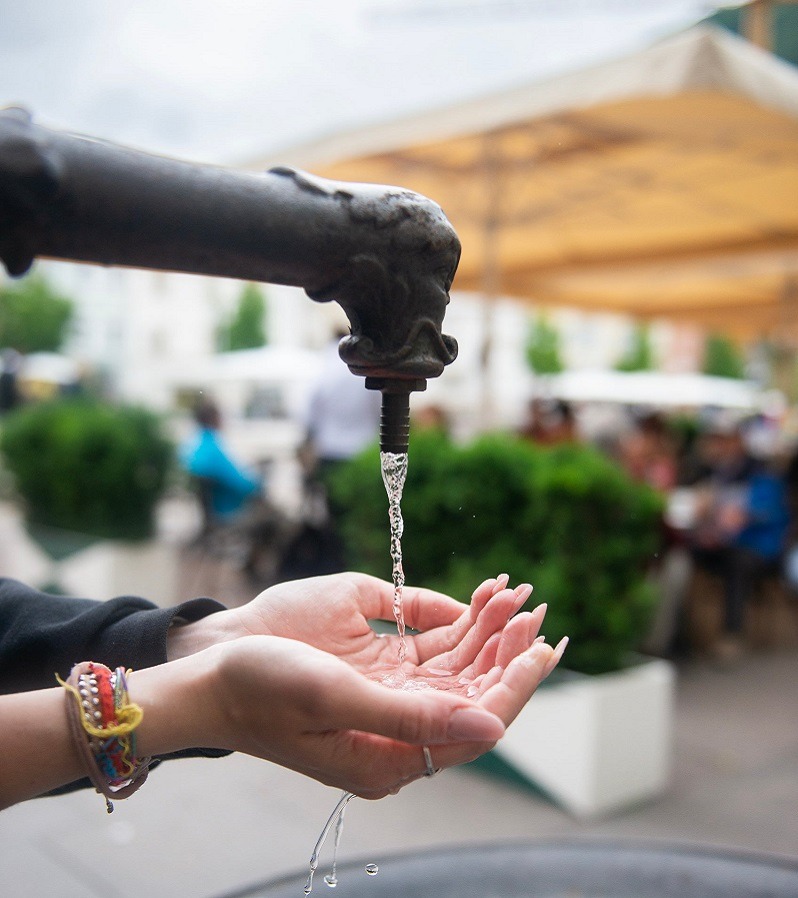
(656,389)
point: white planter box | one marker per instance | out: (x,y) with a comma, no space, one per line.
(597,744)
(109,568)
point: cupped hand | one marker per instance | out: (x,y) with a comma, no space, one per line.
(306,677)
(309,711)
(453,646)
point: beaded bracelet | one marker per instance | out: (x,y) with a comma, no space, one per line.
(103,722)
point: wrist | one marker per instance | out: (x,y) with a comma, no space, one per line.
(179,701)
(184,639)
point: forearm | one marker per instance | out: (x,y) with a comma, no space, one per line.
(37,748)
(35,745)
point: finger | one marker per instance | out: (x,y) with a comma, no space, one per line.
(427,610)
(482,593)
(492,619)
(490,679)
(519,634)
(485,591)
(373,766)
(518,682)
(437,642)
(503,604)
(424,609)
(421,718)
(487,656)
(505,692)
(479,599)
(486,659)
(514,639)
(501,583)
(556,656)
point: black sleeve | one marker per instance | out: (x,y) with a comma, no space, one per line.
(41,634)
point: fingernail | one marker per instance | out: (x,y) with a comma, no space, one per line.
(483,585)
(538,647)
(557,654)
(501,582)
(541,609)
(476,725)
(524,591)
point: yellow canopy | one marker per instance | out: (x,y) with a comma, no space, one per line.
(664,184)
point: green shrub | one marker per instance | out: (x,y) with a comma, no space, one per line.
(566,519)
(88,467)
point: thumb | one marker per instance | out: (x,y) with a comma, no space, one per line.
(423,717)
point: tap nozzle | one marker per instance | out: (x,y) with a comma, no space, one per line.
(395,413)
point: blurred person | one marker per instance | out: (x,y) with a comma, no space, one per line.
(342,418)
(238,522)
(648,454)
(431,417)
(791,551)
(741,522)
(229,486)
(549,422)
(296,677)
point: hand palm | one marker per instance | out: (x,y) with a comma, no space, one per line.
(332,614)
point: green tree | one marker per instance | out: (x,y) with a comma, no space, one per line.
(543,347)
(722,358)
(640,355)
(247,326)
(33,317)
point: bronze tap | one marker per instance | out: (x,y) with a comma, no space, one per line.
(386,255)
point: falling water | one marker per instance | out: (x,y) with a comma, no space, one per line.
(394,474)
(331,879)
(335,818)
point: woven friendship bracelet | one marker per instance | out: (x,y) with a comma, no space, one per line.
(102,722)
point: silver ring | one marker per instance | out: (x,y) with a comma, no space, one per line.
(431,769)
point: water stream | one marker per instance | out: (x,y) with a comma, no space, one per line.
(335,818)
(394,475)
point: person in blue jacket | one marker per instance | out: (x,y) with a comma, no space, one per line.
(230,488)
(742,530)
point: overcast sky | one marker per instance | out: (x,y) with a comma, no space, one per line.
(224,81)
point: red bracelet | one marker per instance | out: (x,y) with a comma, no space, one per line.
(103,721)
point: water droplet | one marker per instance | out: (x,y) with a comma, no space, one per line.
(372,869)
(331,880)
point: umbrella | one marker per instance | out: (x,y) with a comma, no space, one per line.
(662,184)
(657,389)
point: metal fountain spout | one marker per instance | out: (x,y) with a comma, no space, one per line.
(386,255)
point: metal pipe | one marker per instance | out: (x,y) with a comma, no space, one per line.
(386,255)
